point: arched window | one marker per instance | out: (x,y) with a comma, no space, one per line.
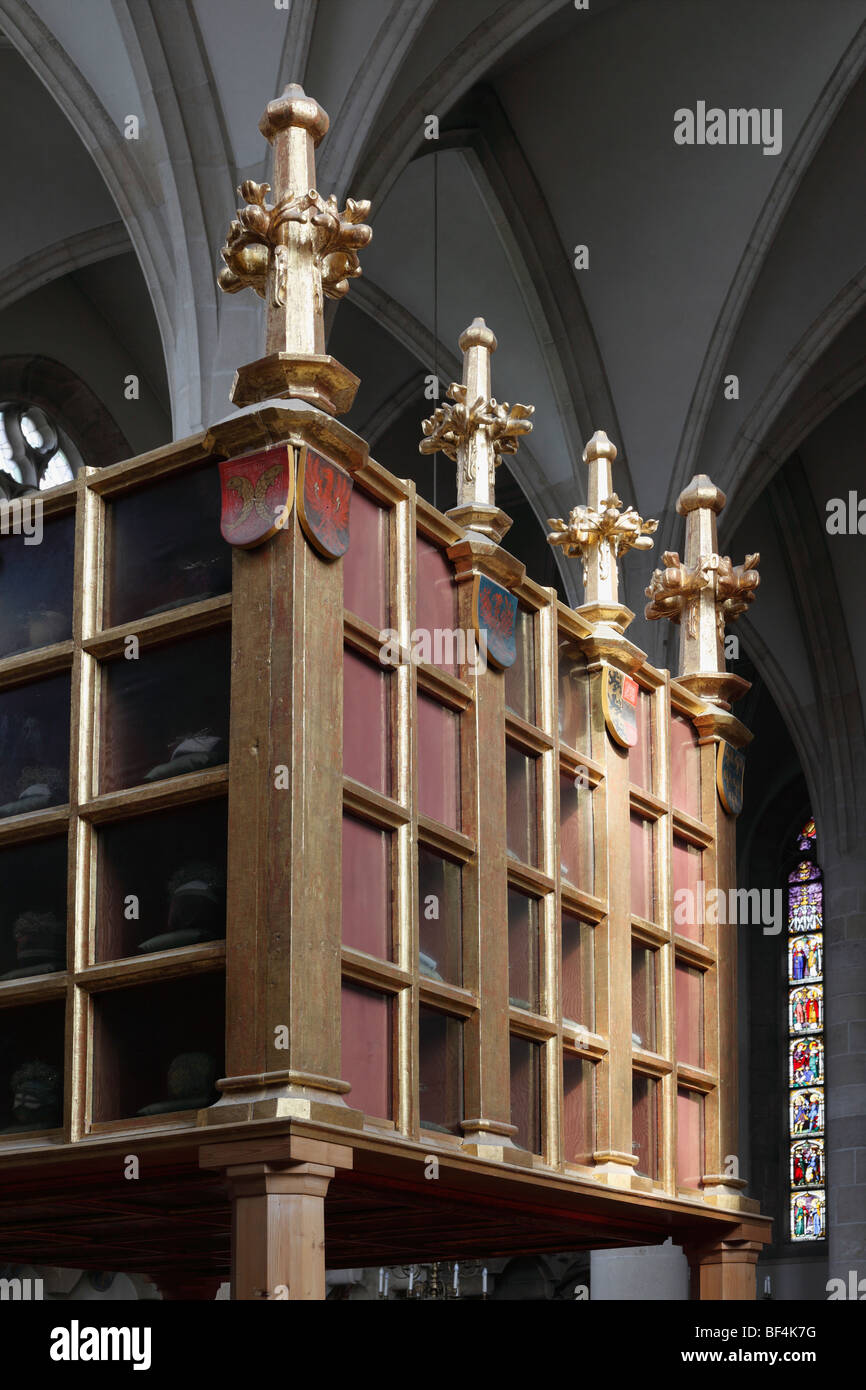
(805,1027)
(35,452)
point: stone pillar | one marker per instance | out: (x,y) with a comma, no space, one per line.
(649,1273)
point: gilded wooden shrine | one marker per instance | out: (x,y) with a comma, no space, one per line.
(343,864)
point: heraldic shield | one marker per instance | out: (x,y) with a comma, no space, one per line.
(730,767)
(619,702)
(324,500)
(258,491)
(496,614)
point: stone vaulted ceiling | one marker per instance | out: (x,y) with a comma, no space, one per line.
(556,130)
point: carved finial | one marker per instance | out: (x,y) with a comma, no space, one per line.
(601,531)
(292,252)
(704,591)
(475,432)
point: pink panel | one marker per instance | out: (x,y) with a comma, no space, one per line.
(366,1056)
(521,805)
(366,723)
(523,971)
(525,1058)
(520,678)
(435,596)
(685,766)
(365,564)
(438,762)
(575,834)
(366,888)
(577,975)
(644,1125)
(690,1138)
(577,1110)
(690,1015)
(642,892)
(688,902)
(640,757)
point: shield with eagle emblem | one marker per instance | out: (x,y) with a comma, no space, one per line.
(257,495)
(619,694)
(496,614)
(324,499)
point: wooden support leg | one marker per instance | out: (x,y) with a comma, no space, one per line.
(725,1270)
(278,1230)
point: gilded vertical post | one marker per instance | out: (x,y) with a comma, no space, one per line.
(598,534)
(474,432)
(285,803)
(701,594)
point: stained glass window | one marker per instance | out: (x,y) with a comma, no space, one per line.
(805,1013)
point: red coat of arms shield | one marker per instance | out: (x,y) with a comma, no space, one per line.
(324,500)
(257,495)
(619,695)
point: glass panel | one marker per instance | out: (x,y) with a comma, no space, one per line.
(806,1061)
(525,1057)
(33,909)
(34,746)
(640,757)
(689,986)
(645,1124)
(140,1069)
(440,1068)
(439,917)
(688,902)
(523,952)
(36,581)
(436,602)
(807,1111)
(167,713)
(520,678)
(577,1108)
(574,700)
(438,762)
(521,805)
(685,766)
(366,1061)
(643,996)
(576,858)
(808,1216)
(642,868)
(807,1163)
(365,564)
(577,971)
(366,722)
(690,1137)
(31,1068)
(806,1009)
(805,906)
(805,958)
(366,888)
(162,881)
(164,547)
